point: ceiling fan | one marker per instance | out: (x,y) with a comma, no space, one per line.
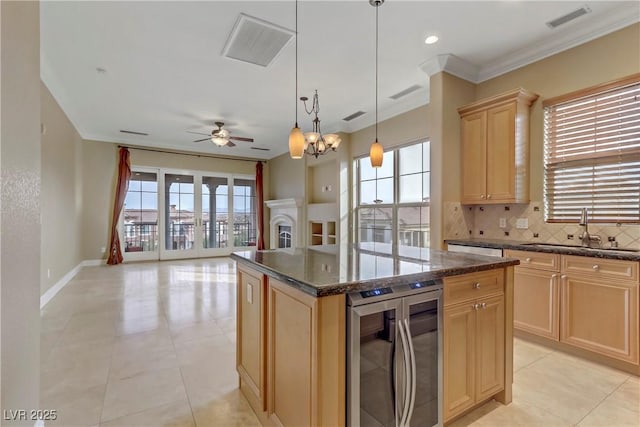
(221,136)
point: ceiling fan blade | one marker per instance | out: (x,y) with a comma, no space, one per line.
(200,140)
(240,138)
(197,133)
(230,144)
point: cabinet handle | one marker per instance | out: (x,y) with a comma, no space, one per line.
(482,196)
(527,260)
(488,196)
(475,306)
(476,285)
(596,267)
(484,305)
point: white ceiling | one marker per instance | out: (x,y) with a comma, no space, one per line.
(165,74)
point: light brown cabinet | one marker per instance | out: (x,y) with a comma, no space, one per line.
(290,352)
(474,340)
(495,148)
(599,308)
(536,293)
(584,302)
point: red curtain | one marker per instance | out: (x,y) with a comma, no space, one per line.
(124,173)
(260,207)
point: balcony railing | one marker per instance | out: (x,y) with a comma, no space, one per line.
(141,237)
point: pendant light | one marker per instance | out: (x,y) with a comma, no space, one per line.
(376,152)
(296,138)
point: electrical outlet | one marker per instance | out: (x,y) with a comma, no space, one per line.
(503,222)
(522,223)
(103,249)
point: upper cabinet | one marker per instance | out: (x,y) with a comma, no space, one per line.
(495,148)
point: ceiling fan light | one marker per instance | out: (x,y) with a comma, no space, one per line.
(219,141)
(375,154)
(296,143)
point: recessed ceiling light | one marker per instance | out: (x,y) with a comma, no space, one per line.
(431,39)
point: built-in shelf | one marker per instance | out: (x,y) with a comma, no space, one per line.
(322,233)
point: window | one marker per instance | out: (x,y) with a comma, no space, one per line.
(244,212)
(141,213)
(592,154)
(392,202)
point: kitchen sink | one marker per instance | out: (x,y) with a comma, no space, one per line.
(559,246)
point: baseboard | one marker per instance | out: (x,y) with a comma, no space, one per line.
(93,262)
(53,291)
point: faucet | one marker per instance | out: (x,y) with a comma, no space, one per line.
(587,239)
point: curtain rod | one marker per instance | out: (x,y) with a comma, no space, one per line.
(240,159)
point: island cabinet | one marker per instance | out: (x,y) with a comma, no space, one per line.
(495,148)
(477,342)
(290,352)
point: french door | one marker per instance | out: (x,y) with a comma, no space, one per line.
(190,214)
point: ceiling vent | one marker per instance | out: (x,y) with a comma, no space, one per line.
(353,116)
(132,132)
(405,92)
(568,17)
(256,41)
(261,149)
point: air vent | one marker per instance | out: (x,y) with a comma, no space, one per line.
(132,132)
(353,116)
(405,92)
(568,17)
(256,41)
(261,149)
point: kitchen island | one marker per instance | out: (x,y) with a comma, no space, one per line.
(292,327)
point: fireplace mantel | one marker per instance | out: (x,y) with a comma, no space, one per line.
(285,212)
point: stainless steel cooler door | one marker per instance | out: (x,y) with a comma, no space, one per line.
(377,385)
(424,322)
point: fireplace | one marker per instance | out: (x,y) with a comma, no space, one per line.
(284,226)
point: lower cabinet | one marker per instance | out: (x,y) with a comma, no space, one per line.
(291,352)
(474,349)
(600,316)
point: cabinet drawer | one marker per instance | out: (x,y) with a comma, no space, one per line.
(598,268)
(468,287)
(537,260)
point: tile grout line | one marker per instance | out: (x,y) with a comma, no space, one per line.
(602,401)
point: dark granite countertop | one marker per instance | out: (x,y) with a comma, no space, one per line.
(612,253)
(327,272)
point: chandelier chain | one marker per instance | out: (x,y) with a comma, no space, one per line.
(377,7)
(296,63)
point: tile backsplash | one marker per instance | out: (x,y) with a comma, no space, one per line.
(462,222)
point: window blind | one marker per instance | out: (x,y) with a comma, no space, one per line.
(592,156)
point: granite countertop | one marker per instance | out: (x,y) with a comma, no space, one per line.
(608,253)
(331,272)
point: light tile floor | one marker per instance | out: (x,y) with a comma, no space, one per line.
(153,344)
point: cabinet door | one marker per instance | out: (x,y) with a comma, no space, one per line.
(458,358)
(501,155)
(250,345)
(601,316)
(474,163)
(489,347)
(536,302)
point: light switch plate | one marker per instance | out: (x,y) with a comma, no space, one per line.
(503,222)
(522,223)
(249,294)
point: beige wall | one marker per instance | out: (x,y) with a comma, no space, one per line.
(61,193)
(20,201)
(287,178)
(402,129)
(604,59)
(100,175)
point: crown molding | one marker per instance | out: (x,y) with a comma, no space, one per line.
(556,43)
(452,65)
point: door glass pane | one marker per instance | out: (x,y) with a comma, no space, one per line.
(141,213)
(179,212)
(244,212)
(423,324)
(215,212)
(377,371)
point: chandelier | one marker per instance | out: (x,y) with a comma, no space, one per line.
(315,143)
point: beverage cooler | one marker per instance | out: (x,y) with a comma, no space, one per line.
(394,363)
